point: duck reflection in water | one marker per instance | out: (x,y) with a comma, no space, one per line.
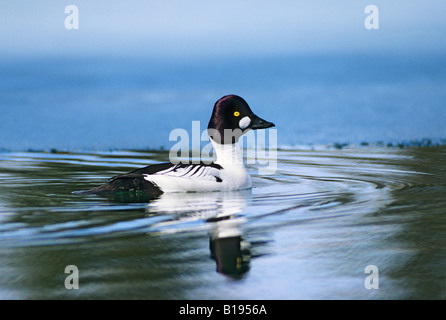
(228,249)
(221,211)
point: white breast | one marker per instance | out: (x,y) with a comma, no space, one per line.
(201,178)
(229,179)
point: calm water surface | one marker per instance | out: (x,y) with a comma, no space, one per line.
(307,231)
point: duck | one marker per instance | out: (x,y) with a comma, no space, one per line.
(231,118)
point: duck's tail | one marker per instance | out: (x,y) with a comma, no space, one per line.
(127,186)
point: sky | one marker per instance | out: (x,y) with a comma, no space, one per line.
(210,28)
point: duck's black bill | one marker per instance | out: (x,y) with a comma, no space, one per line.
(259,123)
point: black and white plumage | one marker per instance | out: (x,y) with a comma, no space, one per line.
(231,118)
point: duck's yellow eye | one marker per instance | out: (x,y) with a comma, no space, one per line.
(236,113)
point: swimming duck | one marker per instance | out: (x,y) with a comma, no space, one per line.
(230,119)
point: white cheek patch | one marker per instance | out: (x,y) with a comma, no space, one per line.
(244,122)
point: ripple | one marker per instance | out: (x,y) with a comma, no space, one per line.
(317,221)
(307,186)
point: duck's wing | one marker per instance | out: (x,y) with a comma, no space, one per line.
(153,168)
(139,179)
(132,181)
(198,171)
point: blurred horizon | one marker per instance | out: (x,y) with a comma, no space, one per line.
(229,29)
(136,70)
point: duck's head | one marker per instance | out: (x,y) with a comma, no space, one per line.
(231,118)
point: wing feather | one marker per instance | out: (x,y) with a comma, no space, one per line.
(196,171)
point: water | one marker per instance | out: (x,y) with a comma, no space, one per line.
(101,104)
(308,231)
(360,180)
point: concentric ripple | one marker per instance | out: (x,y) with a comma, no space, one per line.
(306,231)
(38,207)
